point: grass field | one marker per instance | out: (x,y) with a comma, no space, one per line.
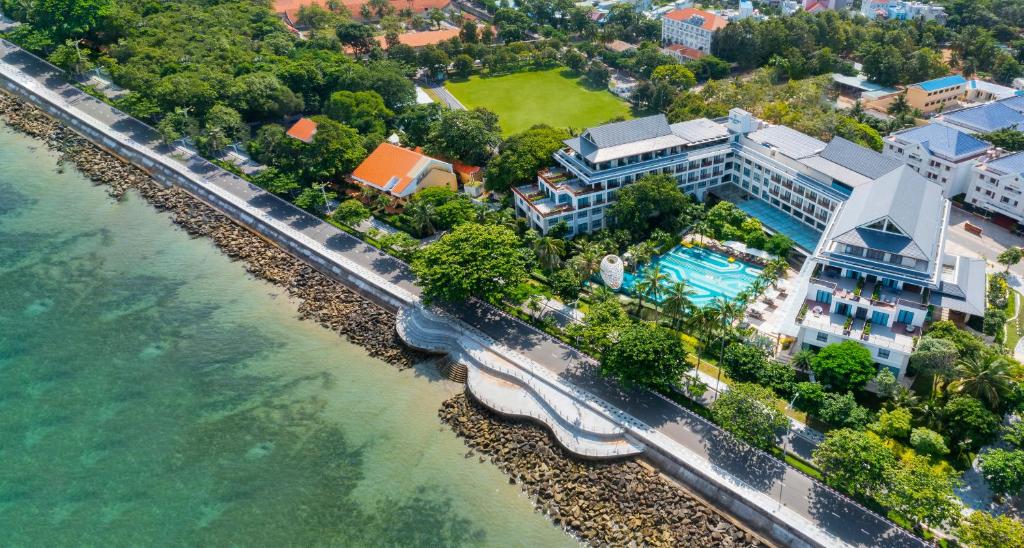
(526,98)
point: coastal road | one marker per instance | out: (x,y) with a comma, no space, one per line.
(811,500)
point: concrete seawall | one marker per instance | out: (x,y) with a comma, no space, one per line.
(512,367)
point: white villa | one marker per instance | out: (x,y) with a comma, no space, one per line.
(864,219)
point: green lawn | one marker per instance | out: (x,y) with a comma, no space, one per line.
(550,96)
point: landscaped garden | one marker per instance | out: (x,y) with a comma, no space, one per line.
(553,97)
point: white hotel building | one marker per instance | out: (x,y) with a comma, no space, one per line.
(795,184)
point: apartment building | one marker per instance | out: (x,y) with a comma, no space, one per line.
(941,153)
(691,27)
(997,186)
(903,10)
(881,270)
(938,94)
(1002,114)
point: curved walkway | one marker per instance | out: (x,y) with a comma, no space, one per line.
(760,479)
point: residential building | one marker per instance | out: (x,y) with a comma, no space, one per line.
(401,172)
(746,9)
(936,95)
(682,53)
(903,10)
(420,39)
(304,130)
(997,185)
(880,267)
(691,27)
(789,7)
(289,9)
(980,91)
(941,153)
(814,6)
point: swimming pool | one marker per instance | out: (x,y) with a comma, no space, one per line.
(707,273)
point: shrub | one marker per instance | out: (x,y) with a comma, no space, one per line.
(843,411)
(928,442)
(1003,470)
(844,366)
(893,424)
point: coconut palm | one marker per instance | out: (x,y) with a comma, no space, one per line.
(650,286)
(988,377)
(701,229)
(727,310)
(677,301)
(421,217)
(549,252)
(588,258)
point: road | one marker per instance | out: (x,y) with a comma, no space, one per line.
(442,93)
(811,500)
(991,243)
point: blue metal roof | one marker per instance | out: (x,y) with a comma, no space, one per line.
(988,117)
(941,83)
(1014,163)
(945,140)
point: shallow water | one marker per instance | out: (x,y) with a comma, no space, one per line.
(152,393)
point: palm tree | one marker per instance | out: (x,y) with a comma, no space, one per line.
(701,229)
(649,286)
(549,252)
(728,311)
(421,217)
(988,377)
(677,301)
(588,258)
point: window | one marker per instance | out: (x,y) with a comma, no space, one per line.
(905,316)
(822,337)
(883,353)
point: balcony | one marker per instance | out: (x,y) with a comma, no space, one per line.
(532,196)
(896,338)
(889,299)
(577,167)
(558,179)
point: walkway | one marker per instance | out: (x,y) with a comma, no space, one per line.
(742,468)
(442,93)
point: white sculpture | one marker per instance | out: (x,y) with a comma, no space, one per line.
(611,271)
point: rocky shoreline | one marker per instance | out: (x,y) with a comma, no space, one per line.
(320,298)
(602,503)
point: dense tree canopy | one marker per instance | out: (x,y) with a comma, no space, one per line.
(645,355)
(466,135)
(653,202)
(748,411)
(844,366)
(854,461)
(471,261)
(522,155)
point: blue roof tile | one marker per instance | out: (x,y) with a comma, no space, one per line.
(988,117)
(945,140)
(941,83)
(1014,163)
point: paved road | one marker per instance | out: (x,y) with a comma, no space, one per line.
(991,243)
(810,499)
(444,95)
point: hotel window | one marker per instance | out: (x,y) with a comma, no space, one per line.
(883,353)
(822,337)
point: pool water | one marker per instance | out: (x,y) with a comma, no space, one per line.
(707,273)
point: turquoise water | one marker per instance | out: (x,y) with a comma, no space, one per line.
(151,393)
(707,273)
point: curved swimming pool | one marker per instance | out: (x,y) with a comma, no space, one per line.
(708,274)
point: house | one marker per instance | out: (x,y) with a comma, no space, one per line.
(304,130)
(402,172)
(936,95)
(903,10)
(941,153)
(467,173)
(691,27)
(997,186)
(682,53)
(814,6)
(419,39)
(289,9)
(881,271)
(980,91)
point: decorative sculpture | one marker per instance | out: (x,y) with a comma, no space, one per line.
(611,271)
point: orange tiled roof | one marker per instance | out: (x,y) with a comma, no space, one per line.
(389,163)
(290,8)
(687,52)
(303,130)
(465,169)
(425,38)
(711,21)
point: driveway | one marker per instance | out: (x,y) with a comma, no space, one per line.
(991,243)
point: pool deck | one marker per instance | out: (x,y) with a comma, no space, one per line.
(706,291)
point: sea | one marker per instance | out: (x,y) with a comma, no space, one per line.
(154,394)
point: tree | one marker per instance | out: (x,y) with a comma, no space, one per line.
(355,35)
(743,362)
(983,530)
(400,245)
(886,383)
(416,122)
(653,202)
(1014,434)
(934,356)
(335,151)
(466,135)
(549,252)
(928,442)
(1003,470)
(462,66)
(69,57)
(645,355)
(842,410)
(894,423)
(1011,140)
(471,261)
(222,125)
(277,181)
(566,283)
(68,19)
(748,411)
(990,377)
(966,344)
(677,76)
(261,95)
(364,111)
(314,198)
(575,60)
(676,302)
(920,492)
(854,462)
(422,217)
(522,155)
(844,366)
(436,17)
(649,286)
(468,33)
(969,423)
(598,75)
(434,59)
(351,212)
(601,327)
(1010,256)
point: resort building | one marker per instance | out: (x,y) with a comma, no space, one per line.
(903,10)
(997,186)
(691,27)
(941,153)
(1002,114)
(401,172)
(288,10)
(936,95)
(881,271)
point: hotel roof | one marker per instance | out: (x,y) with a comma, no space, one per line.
(944,140)
(1012,163)
(941,83)
(987,117)
(859,159)
(700,18)
(424,38)
(640,135)
(787,140)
